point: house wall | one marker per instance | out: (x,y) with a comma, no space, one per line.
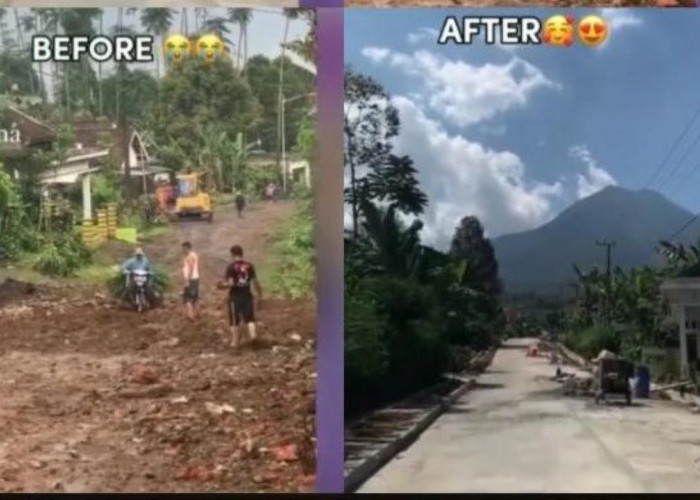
(66,175)
(302,170)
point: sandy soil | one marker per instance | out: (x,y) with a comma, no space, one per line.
(96,398)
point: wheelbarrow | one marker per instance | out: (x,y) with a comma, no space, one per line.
(613,377)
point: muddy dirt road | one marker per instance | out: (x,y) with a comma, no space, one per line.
(95,398)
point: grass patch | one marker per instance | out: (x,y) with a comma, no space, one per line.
(96,274)
(290,271)
(154,232)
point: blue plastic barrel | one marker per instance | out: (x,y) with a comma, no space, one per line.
(641,387)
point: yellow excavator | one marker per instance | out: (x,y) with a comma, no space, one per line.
(191,200)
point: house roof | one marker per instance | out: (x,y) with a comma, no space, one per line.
(89,133)
(32,131)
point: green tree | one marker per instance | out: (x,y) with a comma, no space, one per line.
(306,48)
(17,70)
(470,243)
(217,26)
(370,122)
(138,90)
(197,98)
(262,73)
(158,21)
(242,18)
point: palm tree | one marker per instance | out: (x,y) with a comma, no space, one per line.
(393,248)
(3,34)
(48,19)
(158,21)
(73,22)
(200,17)
(184,27)
(307,47)
(25,24)
(18,25)
(120,29)
(241,17)
(216,26)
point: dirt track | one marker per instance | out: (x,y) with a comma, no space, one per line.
(95,398)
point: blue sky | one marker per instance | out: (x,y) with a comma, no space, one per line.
(516,135)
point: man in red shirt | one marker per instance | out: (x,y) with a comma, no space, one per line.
(240,279)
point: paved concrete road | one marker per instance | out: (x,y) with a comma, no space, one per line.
(516,433)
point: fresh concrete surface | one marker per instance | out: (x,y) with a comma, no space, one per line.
(516,433)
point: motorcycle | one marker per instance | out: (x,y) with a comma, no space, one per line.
(139,299)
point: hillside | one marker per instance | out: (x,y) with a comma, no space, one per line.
(541,260)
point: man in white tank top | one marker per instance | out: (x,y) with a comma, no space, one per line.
(190,274)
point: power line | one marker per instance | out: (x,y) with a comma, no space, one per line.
(680,162)
(684,226)
(673,148)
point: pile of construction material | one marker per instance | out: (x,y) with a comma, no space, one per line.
(577,385)
(537,349)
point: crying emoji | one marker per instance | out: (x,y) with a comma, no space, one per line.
(210,47)
(176,48)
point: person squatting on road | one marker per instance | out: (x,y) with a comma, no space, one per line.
(239,279)
(139,262)
(190,274)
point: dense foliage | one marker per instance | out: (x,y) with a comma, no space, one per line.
(210,118)
(623,312)
(407,306)
(294,256)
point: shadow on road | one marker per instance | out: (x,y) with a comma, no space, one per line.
(620,404)
(459,410)
(513,347)
(486,385)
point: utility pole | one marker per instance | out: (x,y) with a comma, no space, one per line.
(609,245)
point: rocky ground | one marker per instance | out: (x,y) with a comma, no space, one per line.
(97,398)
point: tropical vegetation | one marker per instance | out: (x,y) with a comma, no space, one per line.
(409,308)
(228,120)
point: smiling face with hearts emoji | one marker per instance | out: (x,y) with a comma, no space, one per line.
(559,31)
(592,31)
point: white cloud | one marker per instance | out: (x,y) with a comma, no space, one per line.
(595,177)
(376,54)
(462,93)
(421,34)
(620,18)
(465,178)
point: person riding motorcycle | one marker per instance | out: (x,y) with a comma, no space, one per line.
(139,262)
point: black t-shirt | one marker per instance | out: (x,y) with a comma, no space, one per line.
(242,273)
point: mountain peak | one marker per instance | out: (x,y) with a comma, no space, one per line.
(635,219)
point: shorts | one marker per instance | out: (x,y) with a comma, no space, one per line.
(191,292)
(241,310)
